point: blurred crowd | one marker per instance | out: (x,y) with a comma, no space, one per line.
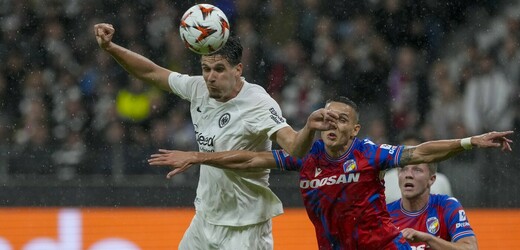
(447,69)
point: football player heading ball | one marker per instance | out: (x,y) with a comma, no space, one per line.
(228,113)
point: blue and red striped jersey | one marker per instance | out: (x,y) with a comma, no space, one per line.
(344,196)
(443,217)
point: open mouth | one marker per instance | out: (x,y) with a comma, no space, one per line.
(408,186)
(332,136)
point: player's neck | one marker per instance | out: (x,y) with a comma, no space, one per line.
(339,150)
(234,92)
(416,203)
(239,86)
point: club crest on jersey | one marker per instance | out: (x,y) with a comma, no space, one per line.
(432,224)
(224,120)
(349,166)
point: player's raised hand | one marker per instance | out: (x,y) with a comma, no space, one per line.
(322,119)
(104,33)
(179,161)
(493,140)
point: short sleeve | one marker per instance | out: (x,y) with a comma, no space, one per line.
(185,86)
(266,116)
(458,223)
(382,156)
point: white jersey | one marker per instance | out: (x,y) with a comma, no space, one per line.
(232,197)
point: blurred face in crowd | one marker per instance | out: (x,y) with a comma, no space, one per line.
(222,79)
(338,140)
(415,180)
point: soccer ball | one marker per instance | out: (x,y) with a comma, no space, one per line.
(204,29)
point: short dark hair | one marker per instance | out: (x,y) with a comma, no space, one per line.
(345,100)
(232,51)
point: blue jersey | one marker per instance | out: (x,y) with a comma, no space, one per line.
(443,217)
(344,196)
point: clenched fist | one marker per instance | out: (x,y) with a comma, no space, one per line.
(104,33)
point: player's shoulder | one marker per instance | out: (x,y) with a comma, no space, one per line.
(366,142)
(394,205)
(369,144)
(369,147)
(442,200)
(254,89)
(254,95)
(317,147)
(176,76)
(179,81)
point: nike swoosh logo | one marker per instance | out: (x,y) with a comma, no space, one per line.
(198,110)
(317,172)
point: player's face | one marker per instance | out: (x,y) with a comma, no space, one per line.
(347,127)
(415,180)
(222,79)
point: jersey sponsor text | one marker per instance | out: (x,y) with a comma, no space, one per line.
(331,180)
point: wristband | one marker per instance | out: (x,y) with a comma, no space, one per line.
(466,143)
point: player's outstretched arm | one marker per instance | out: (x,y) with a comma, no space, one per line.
(180,161)
(435,151)
(137,65)
(466,243)
(299,143)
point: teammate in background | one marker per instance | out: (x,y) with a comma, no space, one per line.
(392,192)
(339,177)
(429,221)
(228,113)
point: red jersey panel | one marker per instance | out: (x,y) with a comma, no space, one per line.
(344,196)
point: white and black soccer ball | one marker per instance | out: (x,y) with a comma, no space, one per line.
(204,29)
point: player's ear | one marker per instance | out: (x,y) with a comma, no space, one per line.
(238,68)
(432,179)
(356,129)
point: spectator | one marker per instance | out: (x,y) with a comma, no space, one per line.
(409,94)
(50,39)
(301,96)
(446,104)
(488,106)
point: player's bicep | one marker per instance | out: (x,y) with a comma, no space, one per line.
(284,137)
(159,78)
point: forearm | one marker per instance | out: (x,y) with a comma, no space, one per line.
(429,152)
(139,66)
(468,243)
(435,151)
(239,159)
(297,144)
(302,142)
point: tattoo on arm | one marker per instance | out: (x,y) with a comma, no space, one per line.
(406,156)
